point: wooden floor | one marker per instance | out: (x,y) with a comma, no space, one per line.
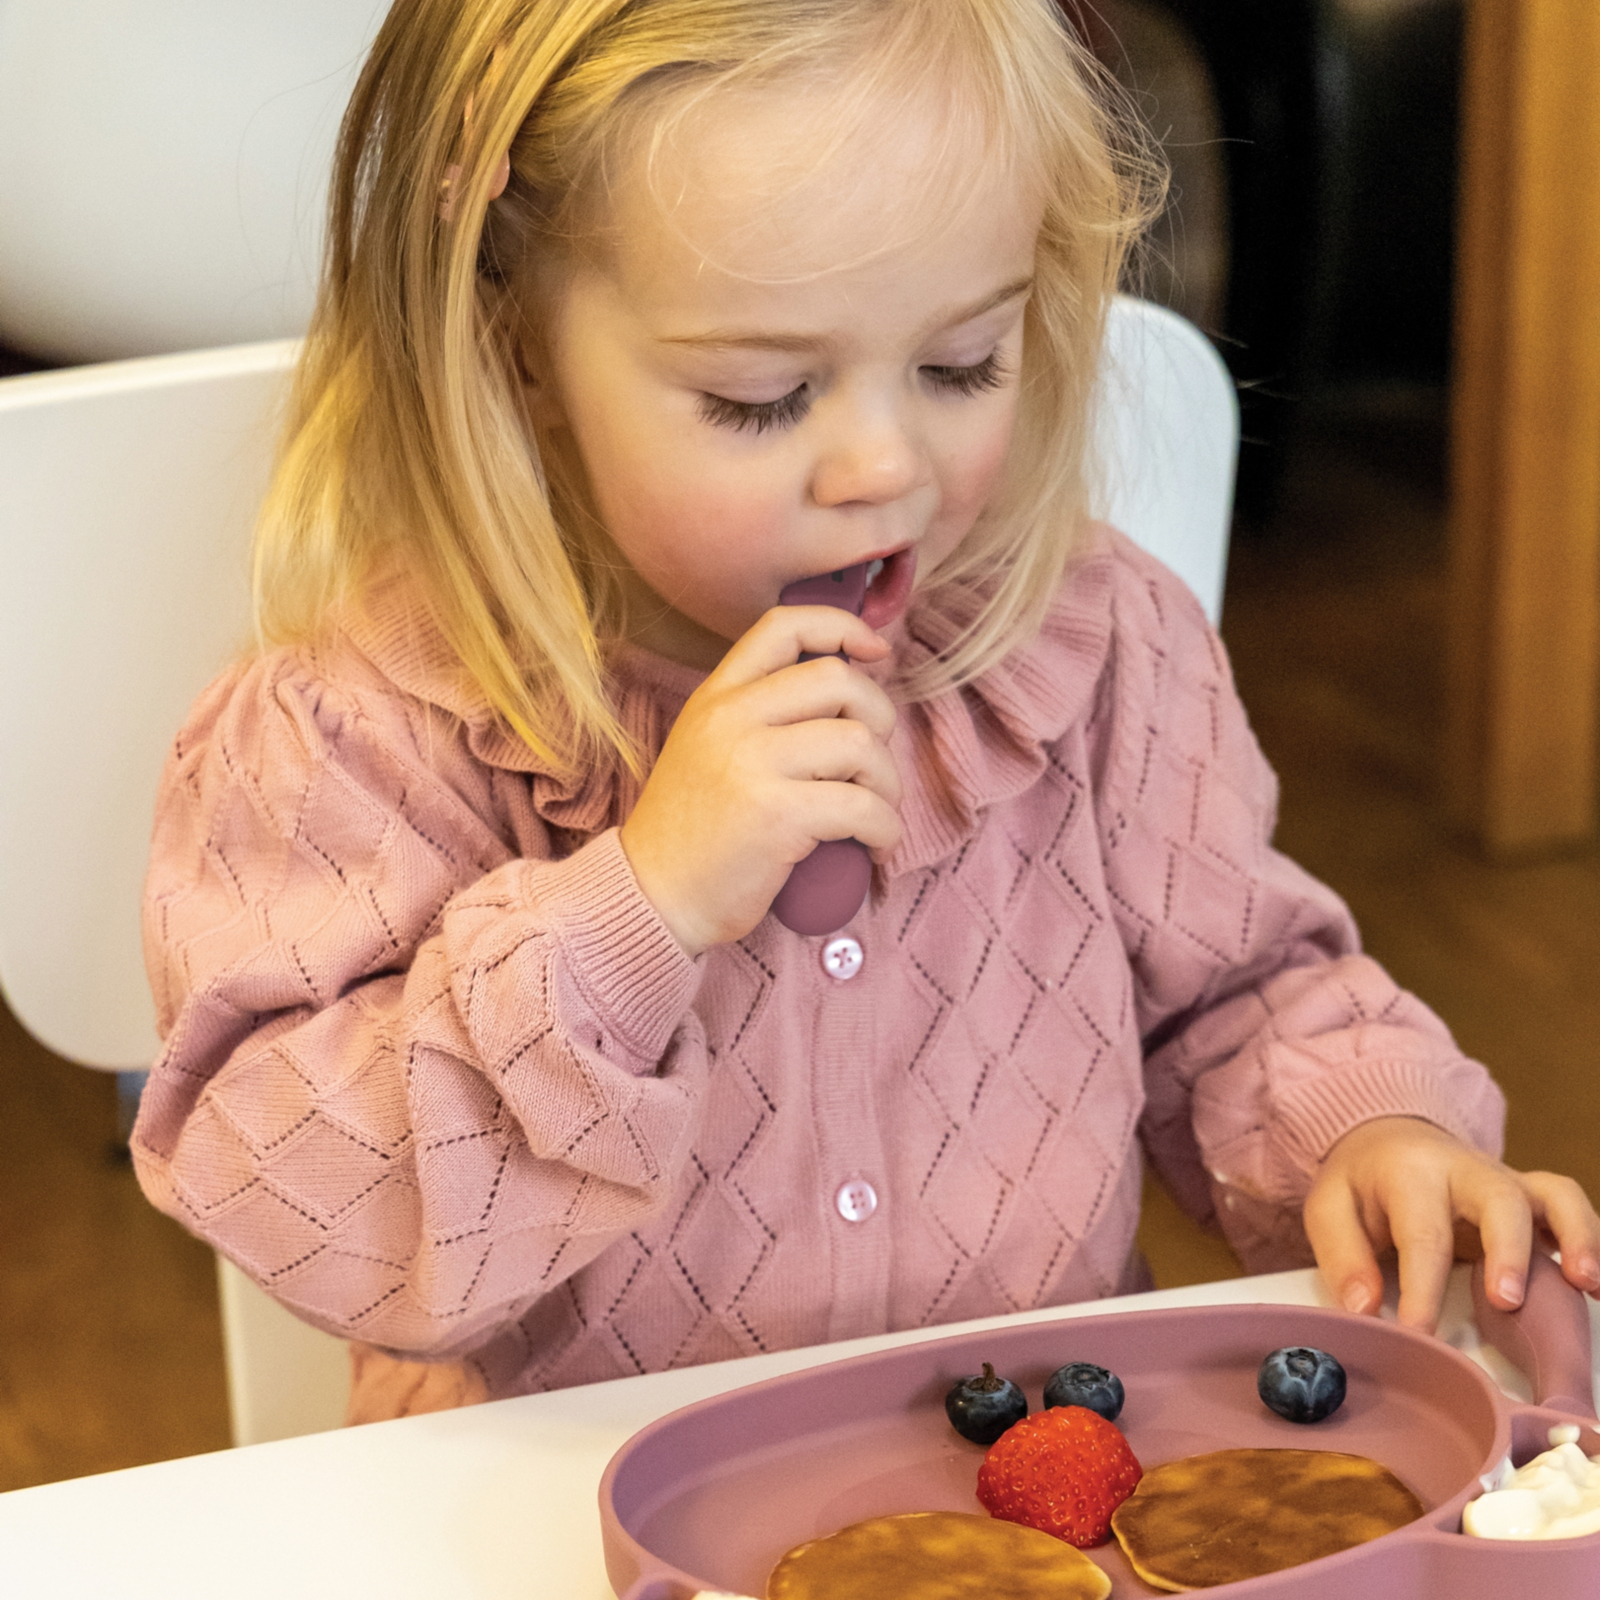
(109,1341)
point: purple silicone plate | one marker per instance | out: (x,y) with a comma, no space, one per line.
(711,1496)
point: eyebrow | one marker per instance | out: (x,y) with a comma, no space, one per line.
(802,343)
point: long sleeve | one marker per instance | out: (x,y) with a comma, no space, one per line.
(417,1070)
(1267,1033)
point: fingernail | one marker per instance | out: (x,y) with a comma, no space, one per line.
(1509,1287)
(1355,1297)
(1587,1272)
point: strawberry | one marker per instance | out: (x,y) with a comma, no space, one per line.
(1062,1471)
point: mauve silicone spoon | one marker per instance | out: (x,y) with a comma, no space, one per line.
(825,890)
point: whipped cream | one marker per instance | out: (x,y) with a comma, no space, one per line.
(1555,1496)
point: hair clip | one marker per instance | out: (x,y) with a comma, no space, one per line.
(452,176)
(452,173)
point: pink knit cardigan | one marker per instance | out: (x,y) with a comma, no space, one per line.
(439,1078)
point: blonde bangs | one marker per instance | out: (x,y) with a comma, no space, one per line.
(408,446)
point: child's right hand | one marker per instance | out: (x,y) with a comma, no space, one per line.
(770,756)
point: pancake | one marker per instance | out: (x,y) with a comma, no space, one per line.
(936,1555)
(1235,1514)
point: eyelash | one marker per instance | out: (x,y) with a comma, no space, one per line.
(744,417)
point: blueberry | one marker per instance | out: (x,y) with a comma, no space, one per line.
(1300,1384)
(981,1409)
(1082,1383)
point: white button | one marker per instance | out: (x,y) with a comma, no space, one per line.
(856,1200)
(842,958)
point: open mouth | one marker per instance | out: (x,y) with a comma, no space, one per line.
(877,590)
(889,580)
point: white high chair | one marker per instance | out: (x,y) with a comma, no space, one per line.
(127,493)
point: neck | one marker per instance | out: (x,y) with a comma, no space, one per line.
(654,625)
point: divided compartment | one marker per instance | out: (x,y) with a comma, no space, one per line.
(711,1496)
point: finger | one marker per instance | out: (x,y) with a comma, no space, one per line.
(848,811)
(783,634)
(1423,1228)
(1563,1209)
(1342,1247)
(817,689)
(1500,1207)
(837,750)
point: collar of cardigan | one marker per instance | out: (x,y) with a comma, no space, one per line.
(959,754)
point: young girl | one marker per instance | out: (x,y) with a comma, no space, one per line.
(482,1049)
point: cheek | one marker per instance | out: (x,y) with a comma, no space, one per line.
(702,536)
(974,466)
(986,462)
(664,503)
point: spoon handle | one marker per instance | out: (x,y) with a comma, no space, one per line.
(826,889)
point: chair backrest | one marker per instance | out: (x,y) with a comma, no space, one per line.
(1168,442)
(127,492)
(165,167)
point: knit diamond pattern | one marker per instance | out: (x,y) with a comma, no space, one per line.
(438,1076)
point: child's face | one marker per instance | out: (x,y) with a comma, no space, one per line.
(763,391)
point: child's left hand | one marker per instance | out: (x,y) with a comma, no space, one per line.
(1403,1183)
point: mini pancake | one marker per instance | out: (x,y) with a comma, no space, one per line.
(937,1555)
(1235,1514)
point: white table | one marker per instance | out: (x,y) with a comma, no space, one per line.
(495,1501)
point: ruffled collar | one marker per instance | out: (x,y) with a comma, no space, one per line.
(959,754)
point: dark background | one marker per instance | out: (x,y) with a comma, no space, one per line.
(1337,125)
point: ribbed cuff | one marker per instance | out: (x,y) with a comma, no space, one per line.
(1313,1117)
(620,953)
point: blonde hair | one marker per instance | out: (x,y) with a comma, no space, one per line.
(408,445)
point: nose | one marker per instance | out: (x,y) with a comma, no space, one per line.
(869,457)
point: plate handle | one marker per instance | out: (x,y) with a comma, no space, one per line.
(1547,1337)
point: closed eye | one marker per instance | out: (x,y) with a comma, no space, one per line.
(745,416)
(989,373)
